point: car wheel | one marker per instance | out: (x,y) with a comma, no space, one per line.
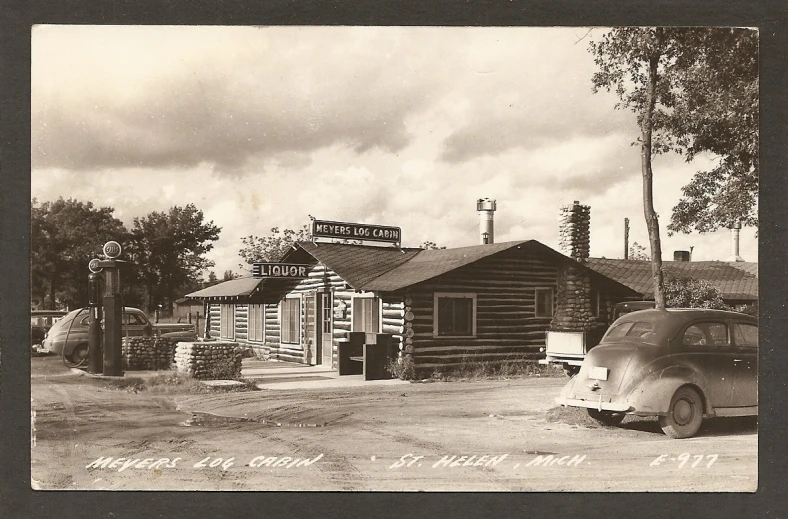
(571,371)
(685,414)
(79,356)
(606,417)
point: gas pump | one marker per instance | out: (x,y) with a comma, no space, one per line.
(95,350)
(113,310)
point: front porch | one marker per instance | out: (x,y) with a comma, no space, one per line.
(291,375)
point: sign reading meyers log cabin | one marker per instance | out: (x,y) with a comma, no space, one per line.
(355,231)
(280,270)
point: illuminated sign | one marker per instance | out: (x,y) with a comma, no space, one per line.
(355,231)
(280,270)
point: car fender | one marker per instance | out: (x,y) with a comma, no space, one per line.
(653,394)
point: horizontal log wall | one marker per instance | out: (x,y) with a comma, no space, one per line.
(506,325)
(319,277)
(215,314)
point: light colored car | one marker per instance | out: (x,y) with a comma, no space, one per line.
(40,323)
(69,336)
(677,364)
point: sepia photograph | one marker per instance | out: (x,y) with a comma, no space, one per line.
(394,258)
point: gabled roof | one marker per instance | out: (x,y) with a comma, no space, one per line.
(357,264)
(735,280)
(240,287)
(386,269)
(430,263)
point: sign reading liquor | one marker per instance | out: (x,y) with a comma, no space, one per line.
(280,270)
(355,231)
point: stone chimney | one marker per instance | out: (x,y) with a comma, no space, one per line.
(735,228)
(573,232)
(486,209)
(573,301)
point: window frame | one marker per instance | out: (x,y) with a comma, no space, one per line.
(366,295)
(298,330)
(704,326)
(253,312)
(549,290)
(745,347)
(453,295)
(230,324)
(596,302)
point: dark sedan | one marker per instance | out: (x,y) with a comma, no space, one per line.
(677,364)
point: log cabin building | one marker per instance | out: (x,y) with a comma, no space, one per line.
(444,307)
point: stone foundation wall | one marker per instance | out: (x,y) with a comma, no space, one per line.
(209,360)
(147,353)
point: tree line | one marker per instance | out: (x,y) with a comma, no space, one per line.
(165,250)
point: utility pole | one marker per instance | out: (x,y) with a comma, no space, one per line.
(626,238)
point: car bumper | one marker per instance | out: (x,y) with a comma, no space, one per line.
(599,405)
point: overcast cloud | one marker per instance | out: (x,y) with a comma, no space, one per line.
(260,127)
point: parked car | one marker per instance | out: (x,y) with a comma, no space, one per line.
(677,364)
(69,336)
(568,349)
(40,323)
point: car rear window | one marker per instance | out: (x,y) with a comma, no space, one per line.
(638,329)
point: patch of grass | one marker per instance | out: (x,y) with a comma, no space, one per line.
(171,383)
(496,370)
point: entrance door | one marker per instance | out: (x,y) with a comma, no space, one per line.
(325,335)
(312,330)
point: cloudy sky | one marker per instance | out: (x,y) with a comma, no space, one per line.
(262,126)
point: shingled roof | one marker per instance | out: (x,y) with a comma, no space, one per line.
(358,264)
(240,287)
(430,263)
(735,280)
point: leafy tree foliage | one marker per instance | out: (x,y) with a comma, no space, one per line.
(167,249)
(430,245)
(716,111)
(693,293)
(229,275)
(65,236)
(271,248)
(638,252)
(688,99)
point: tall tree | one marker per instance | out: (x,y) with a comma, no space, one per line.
(716,113)
(271,248)
(65,236)
(663,75)
(168,248)
(628,59)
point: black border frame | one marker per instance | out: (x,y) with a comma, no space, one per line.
(17,17)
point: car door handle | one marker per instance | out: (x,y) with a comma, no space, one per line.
(738,360)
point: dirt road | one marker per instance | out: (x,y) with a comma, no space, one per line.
(484,436)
